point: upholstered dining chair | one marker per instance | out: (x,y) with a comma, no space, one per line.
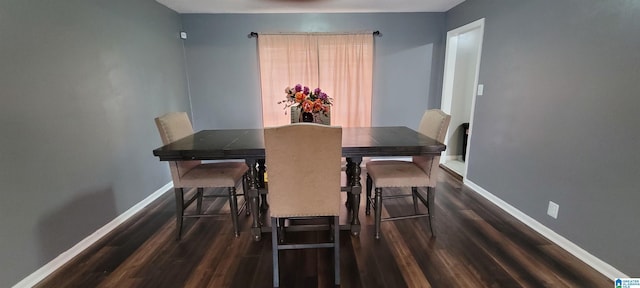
(304,182)
(420,172)
(195,174)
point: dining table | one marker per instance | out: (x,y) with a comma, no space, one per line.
(248,145)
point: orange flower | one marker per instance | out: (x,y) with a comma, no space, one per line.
(317,106)
(300,97)
(307,106)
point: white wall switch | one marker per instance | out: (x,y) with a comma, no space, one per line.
(480,89)
(553,210)
(183,35)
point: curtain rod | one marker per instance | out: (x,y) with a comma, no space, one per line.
(255,34)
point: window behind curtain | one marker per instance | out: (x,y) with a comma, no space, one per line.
(341,65)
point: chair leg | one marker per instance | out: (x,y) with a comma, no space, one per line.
(247,199)
(431,207)
(414,193)
(233,202)
(336,249)
(199,195)
(247,207)
(179,194)
(274,251)
(367,210)
(378,207)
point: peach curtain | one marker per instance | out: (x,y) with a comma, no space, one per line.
(339,64)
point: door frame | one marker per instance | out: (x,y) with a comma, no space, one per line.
(448,79)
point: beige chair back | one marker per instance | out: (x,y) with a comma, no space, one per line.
(303,161)
(434,124)
(175,126)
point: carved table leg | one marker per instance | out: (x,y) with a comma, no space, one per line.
(264,205)
(254,198)
(349,172)
(356,190)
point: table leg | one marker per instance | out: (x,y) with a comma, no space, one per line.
(264,205)
(349,172)
(356,190)
(254,198)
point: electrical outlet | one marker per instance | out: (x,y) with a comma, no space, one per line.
(553,210)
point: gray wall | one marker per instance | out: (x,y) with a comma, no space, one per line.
(223,66)
(559,117)
(80,84)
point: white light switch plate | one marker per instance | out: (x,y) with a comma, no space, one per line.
(480,89)
(553,210)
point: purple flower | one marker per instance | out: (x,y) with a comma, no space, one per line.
(323,96)
(298,88)
(305,90)
(317,91)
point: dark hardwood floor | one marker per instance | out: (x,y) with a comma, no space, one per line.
(477,245)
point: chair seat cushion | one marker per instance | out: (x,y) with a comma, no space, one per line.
(225,174)
(391,173)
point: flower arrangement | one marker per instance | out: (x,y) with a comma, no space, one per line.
(314,101)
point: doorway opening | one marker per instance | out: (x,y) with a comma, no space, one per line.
(460,87)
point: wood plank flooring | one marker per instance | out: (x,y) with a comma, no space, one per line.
(477,245)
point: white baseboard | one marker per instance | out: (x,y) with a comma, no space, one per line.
(450,158)
(66,256)
(564,243)
(397,158)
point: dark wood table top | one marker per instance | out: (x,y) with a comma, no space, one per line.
(249,143)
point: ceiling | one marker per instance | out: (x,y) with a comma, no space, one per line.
(308,6)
